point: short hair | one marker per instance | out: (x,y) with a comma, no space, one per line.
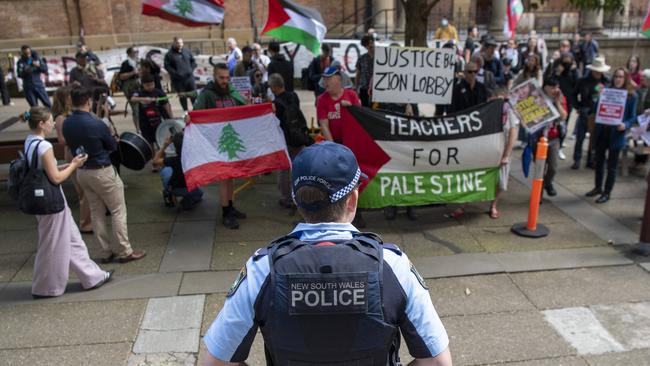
(246,49)
(147,78)
(331,212)
(274,46)
(365,40)
(551,81)
(80,95)
(130,50)
(232,40)
(470,29)
(325,48)
(36,115)
(276,80)
(497,91)
(221,66)
(25,47)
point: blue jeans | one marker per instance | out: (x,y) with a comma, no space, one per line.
(33,93)
(192,197)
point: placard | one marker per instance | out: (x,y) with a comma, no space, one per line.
(532,106)
(243,85)
(611,106)
(413,75)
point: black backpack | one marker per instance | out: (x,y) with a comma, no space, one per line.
(294,125)
(17,170)
(36,194)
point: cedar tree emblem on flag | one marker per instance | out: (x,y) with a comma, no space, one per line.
(291,22)
(230,142)
(193,13)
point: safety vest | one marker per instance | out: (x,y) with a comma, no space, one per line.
(326,304)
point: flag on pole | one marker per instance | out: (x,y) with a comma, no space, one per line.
(192,13)
(645,29)
(235,142)
(291,22)
(514,12)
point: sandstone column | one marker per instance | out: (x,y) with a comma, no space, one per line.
(591,21)
(384,20)
(620,18)
(497,20)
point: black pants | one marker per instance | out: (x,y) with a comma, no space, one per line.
(364,97)
(582,127)
(184,85)
(34,93)
(603,148)
(3,89)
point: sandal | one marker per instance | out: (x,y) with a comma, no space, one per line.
(494,213)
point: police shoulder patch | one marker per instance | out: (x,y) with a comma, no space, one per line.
(418,276)
(240,278)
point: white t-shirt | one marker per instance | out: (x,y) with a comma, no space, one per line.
(42,148)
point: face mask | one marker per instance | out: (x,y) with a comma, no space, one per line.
(444,22)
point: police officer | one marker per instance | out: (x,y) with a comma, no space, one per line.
(327,294)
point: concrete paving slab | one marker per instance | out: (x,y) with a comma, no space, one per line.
(452,239)
(628,211)
(172,313)
(207,282)
(18,241)
(580,327)
(645,266)
(457,265)
(166,359)
(586,286)
(561,259)
(231,255)
(256,228)
(12,219)
(494,338)
(150,207)
(108,354)
(207,210)
(628,323)
(70,324)
(157,341)
(255,357)
(487,294)
(10,264)
(189,247)
(560,361)
(636,358)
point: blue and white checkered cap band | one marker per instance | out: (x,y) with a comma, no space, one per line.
(347,189)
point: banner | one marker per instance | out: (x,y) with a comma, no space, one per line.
(534,109)
(413,75)
(423,160)
(611,106)
(237,142)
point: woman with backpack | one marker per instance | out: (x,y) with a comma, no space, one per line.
(60,246)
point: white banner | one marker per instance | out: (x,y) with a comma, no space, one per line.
(611,106)
(413,75)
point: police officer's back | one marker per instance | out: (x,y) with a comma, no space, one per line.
(326,294)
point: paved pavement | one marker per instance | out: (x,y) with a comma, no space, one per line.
(575,297)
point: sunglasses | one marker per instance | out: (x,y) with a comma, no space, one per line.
(471,71)
(258,75)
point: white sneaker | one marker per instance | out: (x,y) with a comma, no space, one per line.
(561,155)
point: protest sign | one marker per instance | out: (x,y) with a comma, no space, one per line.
(243,85)
(611,106)
(423,160)
(534,109)
(413,75)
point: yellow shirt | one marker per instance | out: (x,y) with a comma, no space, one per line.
(447,33)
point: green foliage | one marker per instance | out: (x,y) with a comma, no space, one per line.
(183,6)
(230,142)
(607,5)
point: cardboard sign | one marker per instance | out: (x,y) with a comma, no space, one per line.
(532,106)
(413,75)
(611,106)
(243,85)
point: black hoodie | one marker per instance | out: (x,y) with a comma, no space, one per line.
(280,65)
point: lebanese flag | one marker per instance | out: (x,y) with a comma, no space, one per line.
(237,142)
(192,13)
(291,22)
(645,29)
(514,12)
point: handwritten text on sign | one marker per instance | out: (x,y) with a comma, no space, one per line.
(413,75)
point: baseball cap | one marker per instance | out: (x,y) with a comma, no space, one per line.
(331,71)
(328,166)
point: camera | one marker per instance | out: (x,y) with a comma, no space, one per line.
(111,102)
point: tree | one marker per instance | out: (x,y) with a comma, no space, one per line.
(606,5)
(417,17)
(230,142)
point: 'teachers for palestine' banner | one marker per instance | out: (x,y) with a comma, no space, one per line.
(418,161)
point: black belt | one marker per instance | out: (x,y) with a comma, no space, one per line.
(94,167)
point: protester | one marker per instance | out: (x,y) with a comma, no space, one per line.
(576,50)
(468,92)
(97,177)
(260,91)
(87,74)
(553,132)
(29,68)
(4,92)
(153,108)
(530,49)
(531,69)
(92,57)
(634,68)
(511,53)
(171,174)
(510,125)
(565,71)
(328,251)
(470,43)
(491,63)
(233,56)
(61,109)
(261,60)
(609,140)
(589,49)
(542,49)
(219,93)
(246,66)
(60,246)
(508,74)
(446,31)
(483,76)
(317,66)
(643,106)
(129,81)
(364,67)
(280,65)
(149,67)
(180,64)
(294,126)
(586,99)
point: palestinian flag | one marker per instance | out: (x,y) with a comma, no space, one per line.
(235,142)
(645,29)
(423,160)
(192,13)
(291,22)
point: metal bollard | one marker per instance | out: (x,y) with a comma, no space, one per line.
(643,247)
(531,229)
